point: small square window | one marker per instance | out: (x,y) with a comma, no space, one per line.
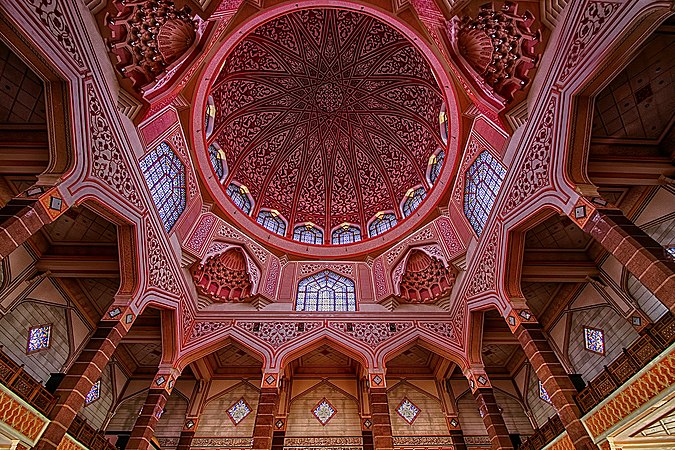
(594,340)
(543,394)
(239,411)
(324,411)
(408,410)
(39,338)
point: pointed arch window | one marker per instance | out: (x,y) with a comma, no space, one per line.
(326,291)
(272,220)
(435,166)
(413,199)
(209,116)
(217,158)
(346,234)
(381,223)
(164,174)
(483,180)
(308,233)
(240,197)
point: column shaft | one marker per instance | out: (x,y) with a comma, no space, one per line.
(144,428)
(641,255)
(492,417)
(185,440)
(458,439)
(78,382)
(555,380)
(379,409)
(264,418)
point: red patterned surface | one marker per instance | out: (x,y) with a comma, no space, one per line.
(327,116)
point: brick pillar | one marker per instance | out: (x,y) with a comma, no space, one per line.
(268,403)
(187,434)
(552,375)
(23,216)
(641,255)
(456,435)
(379,409)
(81,377)
(492,418)
(144,428)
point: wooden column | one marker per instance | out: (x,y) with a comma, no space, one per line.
(641,255)
(379,410)
(24,216)
(268,404)
(83,374)
(552,375)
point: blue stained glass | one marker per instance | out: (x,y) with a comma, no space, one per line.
(482,182)
(594,340)
(408,410)
(324,411)
(346,234)
(308,234)
(413,200)
(239,196)
(209,116)
(436,162)
(239,411)
(165,176)
(543,394)
(671,252)
(382,223)
(39,338)
(217,161)
(94,393)
(272,221)
(326,291)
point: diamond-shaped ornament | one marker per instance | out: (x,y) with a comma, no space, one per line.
(377,380)
(114,313)
(324,411)
(367,423)
(408,410)
(580,212)
(270,379)
(454,422)
(482,380)
(55,203)
(160,380)
(279,424)
(239,411)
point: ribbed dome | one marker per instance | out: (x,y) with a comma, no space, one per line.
(327,116)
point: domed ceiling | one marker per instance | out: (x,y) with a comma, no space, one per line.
(327,116)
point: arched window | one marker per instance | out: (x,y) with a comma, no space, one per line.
(326,291)
(443,123)
(240,197)
(413,199)
(435,166)
(308,233)
(481,186)
(273,221)
(165,176)
(209,116)
(217,158)
(381,223)
(346,234)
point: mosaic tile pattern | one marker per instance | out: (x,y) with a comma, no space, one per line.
(408,410)
(39,338)
(239,411)
(324,411)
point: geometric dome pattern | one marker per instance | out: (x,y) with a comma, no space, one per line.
(327,116)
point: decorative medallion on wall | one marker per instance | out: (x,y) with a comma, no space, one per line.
(408,410)
(324,411)
(239,411)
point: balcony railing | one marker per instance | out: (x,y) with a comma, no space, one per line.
(651,344)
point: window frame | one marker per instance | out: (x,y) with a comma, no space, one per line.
(465,180)
(342,227)
(375,217)
(246,193)
(310,225)
(275,214)
(409,195)
(316,278)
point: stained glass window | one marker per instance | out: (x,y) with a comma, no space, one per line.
(346,234)
(326,291)
(381,223)
(543,394)
(443,122)
(482,183)
(239,411)
(324,411)
(272,221)
(209,116)
(435,166)
(413,199)
(165,176)
(671,251)
(39,338)
(408,410)
(239,196)
(308,234)
(217,161)
(94,393)
(594,340)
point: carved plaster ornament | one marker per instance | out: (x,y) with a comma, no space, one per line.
(224,277)
(426,279)
(497,48)
(149,36)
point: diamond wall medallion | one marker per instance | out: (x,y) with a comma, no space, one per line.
(324,411)
(239,411)
(408,410)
